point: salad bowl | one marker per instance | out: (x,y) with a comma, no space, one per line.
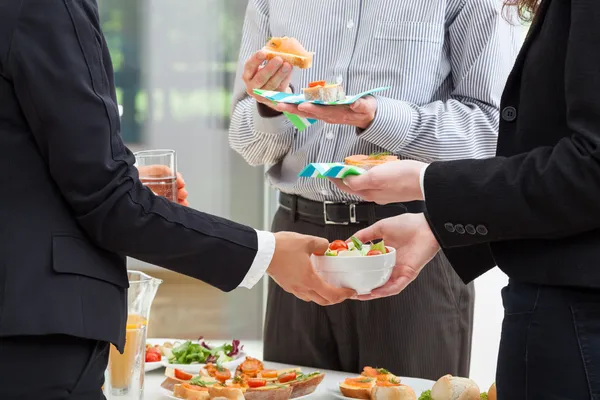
(362,267)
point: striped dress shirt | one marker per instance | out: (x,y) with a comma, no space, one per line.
(446,60)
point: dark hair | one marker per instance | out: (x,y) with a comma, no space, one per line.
(525,8)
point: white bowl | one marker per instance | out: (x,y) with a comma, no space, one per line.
(363,274)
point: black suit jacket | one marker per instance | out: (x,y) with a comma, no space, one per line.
(71,206)
(535,208)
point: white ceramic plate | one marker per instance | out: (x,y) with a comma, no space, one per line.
(158,364)
(169,395)
(194,368)
(418,385)
(151,366)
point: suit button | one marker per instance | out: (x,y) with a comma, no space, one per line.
(459,229)
(509,114)
(449,227)
(470,229)
(482,230)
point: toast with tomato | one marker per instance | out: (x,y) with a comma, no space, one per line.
(215,371)
(290,50)
(178,377)
(249,368)
(302,384)
(358,388)
(229,393)
(370,161)
(189,391)
(325,92)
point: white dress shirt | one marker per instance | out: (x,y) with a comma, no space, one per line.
(264,255)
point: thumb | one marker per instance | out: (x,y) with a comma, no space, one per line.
(373,232)
(357,182)
(359,106)
(317,245)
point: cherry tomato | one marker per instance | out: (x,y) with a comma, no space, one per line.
(256,383)
(269,373)
(338,245)
(152,356)
(387,250)
(222,374)
(288,377)
(153,350)
(374,253)
(250,366)
(316,83)
(184,376)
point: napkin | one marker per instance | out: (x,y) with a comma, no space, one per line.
(292,98)
(330,170)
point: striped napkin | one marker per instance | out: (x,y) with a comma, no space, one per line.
(291,98)
(330,170)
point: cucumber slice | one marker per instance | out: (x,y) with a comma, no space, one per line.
(357,243)
(379,245)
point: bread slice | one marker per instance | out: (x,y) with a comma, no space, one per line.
(328,93)
(303,387)
(401,392)
(226,392)
(492,392)
(450,387)
(269,393)
(190,392)
(290,50)
(358,392)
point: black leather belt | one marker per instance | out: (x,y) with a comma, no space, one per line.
(332,213)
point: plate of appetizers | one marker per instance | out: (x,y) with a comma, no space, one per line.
(249,381)
(380,384)
(191,355)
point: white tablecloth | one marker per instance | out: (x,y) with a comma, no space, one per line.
(153,391)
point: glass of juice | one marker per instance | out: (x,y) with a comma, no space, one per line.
(124,378)
(158,171)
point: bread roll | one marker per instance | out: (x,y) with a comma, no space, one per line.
(450,387)
(357,392)
(492,392)
(401,392)
(226,392)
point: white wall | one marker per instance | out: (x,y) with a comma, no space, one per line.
(488,322)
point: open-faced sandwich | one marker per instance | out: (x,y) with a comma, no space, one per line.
(370,161)
(376,384)
(450,387)
(187,386)
(290,50)
(323,91)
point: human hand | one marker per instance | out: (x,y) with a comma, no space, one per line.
(392,182)
(275,75)
(163,171)
(292,269)
(360,113)
(415,246)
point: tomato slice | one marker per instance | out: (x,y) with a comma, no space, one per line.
(316,84)
(152,356)
(250,366)
(269,373)
(338,245)
(374,253)
(222,374)
(287,377)
(184,376)
(256,383)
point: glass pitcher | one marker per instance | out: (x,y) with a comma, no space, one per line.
(125,372)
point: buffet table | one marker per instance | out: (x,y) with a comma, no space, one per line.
(326,390)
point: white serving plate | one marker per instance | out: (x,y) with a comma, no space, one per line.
(361,273)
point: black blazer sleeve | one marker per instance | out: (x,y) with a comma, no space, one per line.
(57,65)
(547,193)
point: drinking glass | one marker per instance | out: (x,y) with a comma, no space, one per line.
(158,171)
(124,378)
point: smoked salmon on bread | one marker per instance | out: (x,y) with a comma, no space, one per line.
(290,50)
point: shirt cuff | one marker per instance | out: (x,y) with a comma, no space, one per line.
(422,180)
(262,260)
(274,125)
(391,126)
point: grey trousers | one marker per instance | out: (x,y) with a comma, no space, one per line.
(423,332)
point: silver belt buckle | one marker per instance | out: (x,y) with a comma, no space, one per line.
(351,211)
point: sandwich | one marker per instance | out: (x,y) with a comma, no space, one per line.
(191,391)
(491,393)
(229,393)
(250,368)
(302,384)
(450,387)
(177,377)
(392,390)
(370,161)
(290,50)
(358,388)
(381,374)
(324,92)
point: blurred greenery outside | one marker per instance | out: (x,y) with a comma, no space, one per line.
(124,23)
